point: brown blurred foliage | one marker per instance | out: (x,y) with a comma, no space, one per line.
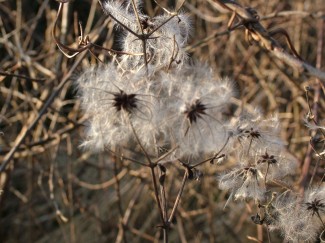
(52,191)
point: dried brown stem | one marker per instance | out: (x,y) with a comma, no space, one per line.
(251,22)
(21,76)
(32,122)
(84,41)
(178,198)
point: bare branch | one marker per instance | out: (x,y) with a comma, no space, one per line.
(250,20)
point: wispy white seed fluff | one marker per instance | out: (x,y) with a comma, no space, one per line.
(117,106)
(154,102)
(194,99)
(296,224)
(275,164)
(314,126)
(243,183)
(166,36)
(252,132)
(292,218)
(181,108)
(317,193)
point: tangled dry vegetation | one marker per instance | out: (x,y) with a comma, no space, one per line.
(54,191)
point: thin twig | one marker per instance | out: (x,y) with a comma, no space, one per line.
(317,93)
(21,76)
(216,156)
(250,20)
(33,121)
(84,41)
(153,175)
(178,198)
(119,200)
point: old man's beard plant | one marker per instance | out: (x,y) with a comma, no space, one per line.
(154,103)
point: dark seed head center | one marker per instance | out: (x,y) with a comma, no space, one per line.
(195,110)
(124,101)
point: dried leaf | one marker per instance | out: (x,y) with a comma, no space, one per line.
(162,179)
(162,168)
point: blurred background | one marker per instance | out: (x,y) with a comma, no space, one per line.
(53,191)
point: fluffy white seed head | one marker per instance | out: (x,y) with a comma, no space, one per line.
(252,132)
(120,12)
(292,218)
(167,35)
(117,105)
(194,101)
(297,225)
(244,183)
(275,164)
(317,193)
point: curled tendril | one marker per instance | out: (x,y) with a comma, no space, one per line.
(84,42)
